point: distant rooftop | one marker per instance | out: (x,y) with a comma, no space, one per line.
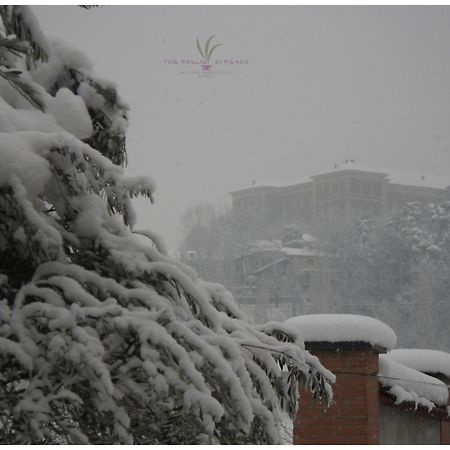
(395,176)
(351,165)
(272,183)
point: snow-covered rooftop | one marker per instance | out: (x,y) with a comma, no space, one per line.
(343,328)
(423,360)
(265,182)
(396,176)
(291,182)
(308,237)
(407,384)
(352,166)
(292,251)
(423,179)
(264,245)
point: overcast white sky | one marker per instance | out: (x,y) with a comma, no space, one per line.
(322,84)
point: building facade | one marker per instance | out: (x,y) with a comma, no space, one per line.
(347,191)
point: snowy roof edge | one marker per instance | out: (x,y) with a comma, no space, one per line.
(394,176)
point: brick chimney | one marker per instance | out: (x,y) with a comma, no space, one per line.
(353,417)
(445,432)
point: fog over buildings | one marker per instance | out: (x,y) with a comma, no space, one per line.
(309,88)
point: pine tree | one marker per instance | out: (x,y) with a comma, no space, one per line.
(104,339)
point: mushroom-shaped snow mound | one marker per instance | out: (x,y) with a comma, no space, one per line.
(423,360)
(343,328)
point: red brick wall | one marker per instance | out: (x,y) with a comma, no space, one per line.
(353,417)
(445,433)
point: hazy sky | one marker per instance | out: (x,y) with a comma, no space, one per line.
(322,84)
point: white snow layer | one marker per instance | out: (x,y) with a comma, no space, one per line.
(408,384)
(71,113)
(395,176)
(423,360)
(343,328)
(12,119)
(292,251)
(19,159)
(32,23)
(61,54)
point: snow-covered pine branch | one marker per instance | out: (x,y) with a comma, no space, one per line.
(104,339)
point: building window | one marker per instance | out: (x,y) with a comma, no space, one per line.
(376,188)
(335,189)
(319,192)
(354,186)
(366,187)
(326,189)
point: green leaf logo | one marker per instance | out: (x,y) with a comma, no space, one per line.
(207,52)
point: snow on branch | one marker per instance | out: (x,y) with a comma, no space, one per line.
(104,338)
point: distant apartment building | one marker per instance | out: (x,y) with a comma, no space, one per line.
(348,190)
